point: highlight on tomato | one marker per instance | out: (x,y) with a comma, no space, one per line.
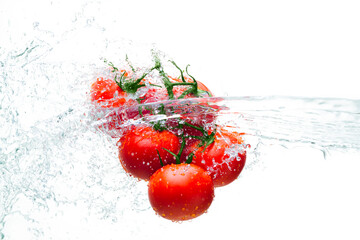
(180,192)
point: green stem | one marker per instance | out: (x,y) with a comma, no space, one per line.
(155,85)
(182,84)
(176,156)
(170,85)
(140,111)
(182,146)
(161,162)
(195,127)
(128,62)
(185,93)
(181,71)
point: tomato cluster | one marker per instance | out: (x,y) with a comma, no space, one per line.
(181,152)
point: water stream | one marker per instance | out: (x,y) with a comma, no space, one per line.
(60,178)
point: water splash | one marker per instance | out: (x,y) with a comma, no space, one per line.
(324,123)
(319,122)
(57,170)
(57,162)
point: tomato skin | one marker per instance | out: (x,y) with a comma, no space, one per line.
(224,159)
(154,95)
(180,192)
(138,150)
(111,104)
(106,93)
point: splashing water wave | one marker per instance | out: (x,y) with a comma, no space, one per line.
(57,170)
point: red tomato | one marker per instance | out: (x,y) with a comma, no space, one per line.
(180,191)
(139,147)
(223,159)
(107,94)
(112,103)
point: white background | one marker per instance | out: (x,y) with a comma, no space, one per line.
(239,48)
(296,48)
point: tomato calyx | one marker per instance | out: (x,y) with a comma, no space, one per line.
(129,84)
(177,156)
(205,139)
(193,86)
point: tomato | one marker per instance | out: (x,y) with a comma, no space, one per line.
(180,192)
(114,106)
(106,93)
(223,159)
(140,147)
